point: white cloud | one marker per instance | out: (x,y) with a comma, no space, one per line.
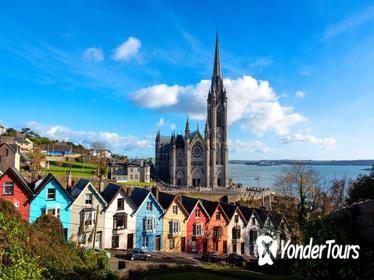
(251,102)
(127,49)
(300,94)
(161,122)
(173,126)
(349,22)
(327,143)
(262,62)
(241,146)
(110,139)
(94,54)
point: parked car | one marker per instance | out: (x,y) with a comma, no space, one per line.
(235,259)
(137,254)
(210,257)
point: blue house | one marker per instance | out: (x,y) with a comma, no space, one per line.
(52,199)
(148,232)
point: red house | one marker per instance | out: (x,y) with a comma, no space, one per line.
(197,222)
(14,188)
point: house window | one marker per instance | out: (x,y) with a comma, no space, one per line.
(149,224)
(120,221)
(174,227)
(6,152)
(236,233)
(88,198)
(218,216)
(194,246)
(197,213)
(115,241)
(82,238)
(236,218)
(120,204)
(51,194)
(253,221)
(197,230)
(252,236)
(175,209)
(171,243)
(217,232)
(145,242)
(89,218)
(52,211)
(8,188)
(149,206)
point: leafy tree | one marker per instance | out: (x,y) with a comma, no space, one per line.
(362,188)
(16,259)
(10,132)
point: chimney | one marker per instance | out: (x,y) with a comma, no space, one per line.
(70,182)
(155,191)
(129,191)
(101,184)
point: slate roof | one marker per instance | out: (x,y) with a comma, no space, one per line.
(40,184)
(165,199)
(12,147)
(188,203)
(179,141)
(229,209)
(262,214)
(14,172)
(247,212)
(276,219)
(82,183)
(110,192)
(138,195)
(210,206)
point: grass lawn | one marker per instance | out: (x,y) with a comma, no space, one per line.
(187,276)
(77,169)
(216,272)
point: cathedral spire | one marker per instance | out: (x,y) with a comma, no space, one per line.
(217,61)
(187,130)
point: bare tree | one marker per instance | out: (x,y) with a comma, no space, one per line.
(299,184)
(37,158)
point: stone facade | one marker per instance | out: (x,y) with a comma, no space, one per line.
(193,159)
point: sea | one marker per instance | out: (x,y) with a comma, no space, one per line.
(265,176)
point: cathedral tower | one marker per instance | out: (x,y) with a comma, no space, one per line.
(217,124)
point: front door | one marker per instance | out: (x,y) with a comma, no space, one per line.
(158,242)
(98,240)
(130,241)
(183,244)
(205,246)
(242,248)
(225,247)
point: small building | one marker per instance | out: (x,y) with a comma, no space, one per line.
(235,230)
(57,149)
(119,219)
(148,233)
(25,144)
(106,153)
(251,231)
(217,227)
(87,210)
(50,198)
(2,129)
(174,223)
(197,237)
(135,171)
(9,156)
(15,189)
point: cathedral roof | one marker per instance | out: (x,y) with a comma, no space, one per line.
(164,139)
(194,134)
(179,142)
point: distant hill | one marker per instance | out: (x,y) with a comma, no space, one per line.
(360,162)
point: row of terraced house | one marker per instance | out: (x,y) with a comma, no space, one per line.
(123,218)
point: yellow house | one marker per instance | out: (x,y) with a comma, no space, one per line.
(174,232)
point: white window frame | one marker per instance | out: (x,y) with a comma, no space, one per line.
(197,232)
(171,243)
(89,218)
(175,209)
(149,206)
(48,194)
(86,200)
(55,212)
(197,212)
(145,242)
(149,224)
(8,184)
(174,227)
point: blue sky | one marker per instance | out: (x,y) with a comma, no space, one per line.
(299,74)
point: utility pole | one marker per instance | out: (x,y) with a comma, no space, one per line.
(95,227)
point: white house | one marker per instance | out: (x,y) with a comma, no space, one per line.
(251,230)
(236,239)
(119,221)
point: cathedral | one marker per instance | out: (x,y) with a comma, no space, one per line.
(195,159)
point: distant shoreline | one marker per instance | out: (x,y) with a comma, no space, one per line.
(368,162)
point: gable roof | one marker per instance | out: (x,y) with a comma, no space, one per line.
(12,147)
(210,206)
(230,210)
(17,176)
(138,195)
(39,185)
(276,219)
(190,203)
(110,192)
(166,199)
(81,185)
(194,134)
(262,214)
(247,212)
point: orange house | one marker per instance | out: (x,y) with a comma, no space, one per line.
(217,227)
